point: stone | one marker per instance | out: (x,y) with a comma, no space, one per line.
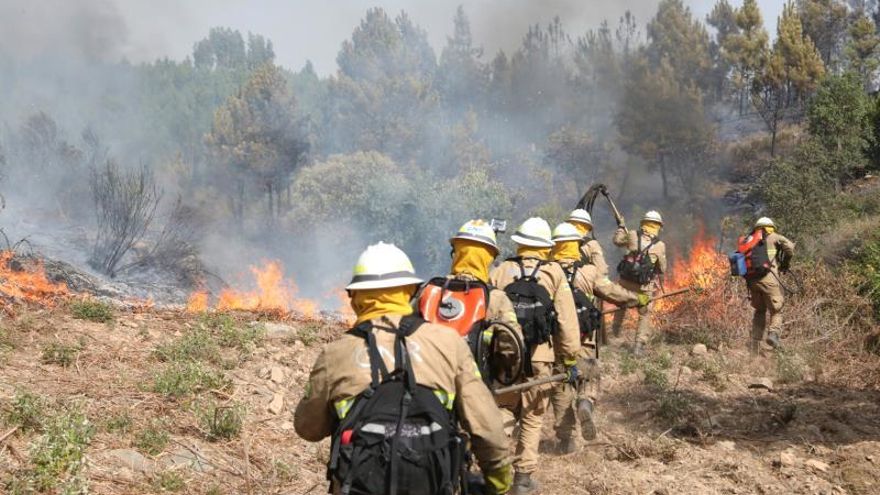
(279,331)
(762,383)
(699,350)
(277,404)
(287,425)
(686,371)
(130,459)
(184,457)
(786,459)
(728,445)
(276,374)
(817,465)
(264,373)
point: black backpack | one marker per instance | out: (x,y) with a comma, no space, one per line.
(637,266)
(534,309)
(397,437)
(589,316)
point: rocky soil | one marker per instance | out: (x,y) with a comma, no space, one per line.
(148,402)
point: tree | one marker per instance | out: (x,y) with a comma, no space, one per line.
(770,90)
(382,95)
(746,49)
(862,50)
(224,48)
(676,36)
(257,140)
(838,118)
(825,22)
(723,19)
(801,59)
(663,121)
(461,78)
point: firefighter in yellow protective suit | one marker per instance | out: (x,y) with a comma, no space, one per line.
(383,283)
(591,250)
(766,293)
(646,243)
(533,240)
(474,248)
(586,279)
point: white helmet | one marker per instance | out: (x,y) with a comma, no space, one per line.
(581,216)
(653,216)
(534,232)
(566,232)
(764,222)
(382,265)
(478,231)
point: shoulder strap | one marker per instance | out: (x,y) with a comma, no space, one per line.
(378,370)
(537,267)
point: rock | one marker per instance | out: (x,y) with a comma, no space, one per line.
(764,383)
(276,374)
(130,459)
(786,459)
(264,373)
(727,445)
(279,331)
(700,350)
(817,465)
(685,371)
(183,457)
(277,405)
(870,458)
(287,425)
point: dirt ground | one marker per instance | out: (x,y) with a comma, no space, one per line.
(681,420)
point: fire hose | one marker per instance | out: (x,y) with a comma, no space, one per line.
(588,201)
(661,296)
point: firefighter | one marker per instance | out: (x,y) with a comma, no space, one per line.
(532,272)
(383,283)
(766,292)
(591,250)
(641,270)
(589,285)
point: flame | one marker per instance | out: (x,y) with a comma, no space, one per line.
(198,301)
(703,268)
(273,294)
(28,284)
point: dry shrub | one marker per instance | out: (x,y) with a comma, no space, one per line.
(827,322)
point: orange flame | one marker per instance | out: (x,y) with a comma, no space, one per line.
(703,268)
(29,284)
(273,294)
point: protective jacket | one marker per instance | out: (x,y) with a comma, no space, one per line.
(629,240)
(593,254)
(595,285)
(441,361)
(566,340)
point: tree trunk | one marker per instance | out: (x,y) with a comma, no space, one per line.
(773,141)
(664,177)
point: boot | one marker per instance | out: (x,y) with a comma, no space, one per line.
(567,446)
(585,415)
(523,484)
(773,340)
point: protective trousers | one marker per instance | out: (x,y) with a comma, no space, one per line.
(644,329)
(532,405)
(767,297)
(562,398)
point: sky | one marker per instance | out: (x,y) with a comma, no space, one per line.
(301,30)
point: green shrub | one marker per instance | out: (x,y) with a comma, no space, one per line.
(153,439)
(180,379)
(867,265)
(790,366)
(221,422)
(672,406)
(231,334)
(58,353)
(57,457)
(655,376)
(169,481)
(27,411)
(119,423)
(91,310)
(196,344)
(628,364)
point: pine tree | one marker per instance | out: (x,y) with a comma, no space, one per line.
(746,49)
(825,22)
(862,50)
(723,19)
(675,35)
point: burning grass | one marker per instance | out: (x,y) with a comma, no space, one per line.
(24,279)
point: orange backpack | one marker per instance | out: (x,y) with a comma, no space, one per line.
(459,304)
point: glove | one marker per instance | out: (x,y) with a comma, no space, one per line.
(644,299)
(500,481)
(573,373)
(784,265)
